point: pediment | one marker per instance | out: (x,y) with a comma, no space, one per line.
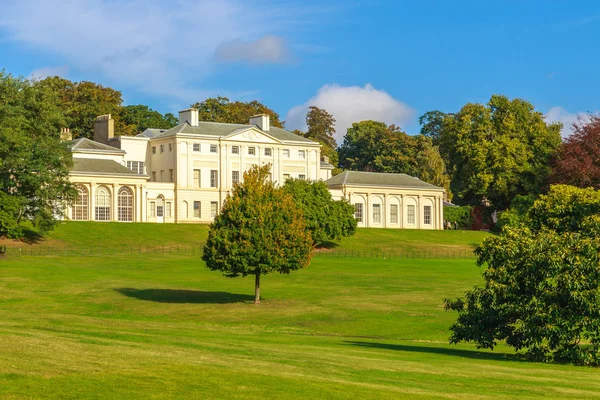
(251,135)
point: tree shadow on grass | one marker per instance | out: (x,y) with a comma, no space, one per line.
(327,246)
(31,237)
(184,296)
(473,354)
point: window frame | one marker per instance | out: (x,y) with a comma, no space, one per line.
(125,204)
(376,207)
(196,147)
(102,209)
(80,209)
(302,154)
(427,215)
(393,213)
(410,214)
(235,149)
(252,151)
(235,177)
(214,178)
(197,209)
(269,150)
(214,149)
(286,153)
(214,209)
(358,212)
(197,179)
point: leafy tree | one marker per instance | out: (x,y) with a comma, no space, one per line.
(542,283)
(496,151)
(221,109)
(81,102)
(376,147)
(321,126)
(260,230)
(34,163)
(462,215)
(578,161)
(326,219)
(141,117)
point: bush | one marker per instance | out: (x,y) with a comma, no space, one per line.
(542,283)
(10,209)
(460,214)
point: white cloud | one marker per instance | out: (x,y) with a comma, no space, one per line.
(268,49)
(559,114)
(45,72)
(349,104)
(158,46)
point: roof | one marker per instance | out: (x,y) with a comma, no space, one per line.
(326,165)
(378,179)
(84,144)
(95,165)
(220,129)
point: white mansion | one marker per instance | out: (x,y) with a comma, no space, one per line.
(183,175)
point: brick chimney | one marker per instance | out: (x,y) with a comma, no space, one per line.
(262,121)
(66,135)
(189,115)
(104,128)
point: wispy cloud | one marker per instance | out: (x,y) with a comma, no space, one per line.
(349,104)
(268,49)
(559,114)
(161,47)
(44,72)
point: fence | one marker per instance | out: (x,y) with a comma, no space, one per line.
(46,251)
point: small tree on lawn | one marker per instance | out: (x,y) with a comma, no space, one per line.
(542,283)
(326,218)
(260,230)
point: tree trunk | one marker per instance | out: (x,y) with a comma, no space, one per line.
(257,287)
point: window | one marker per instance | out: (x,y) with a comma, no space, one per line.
(268,151)
(196,178)
(153,209)
(170,146)
(136,166)
(251,151)
(160,207)
(80,207)
(162,173)
(394,213)
(377,213)
(196,209)
(213,148)
(196,147)
(162,148)
(286,177)
(301,176)
(358,212)
(168,210)
(153,176)
(427,215)
(302,154)
(286,153)
(235,177)
(235,150)
(125,201)
(153,149)
(171,176)
(214,177)
(410,214)
(214,209)
(102,212)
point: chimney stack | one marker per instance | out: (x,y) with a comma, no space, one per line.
(262,121)
(66,135)
(104,128)
(189,115)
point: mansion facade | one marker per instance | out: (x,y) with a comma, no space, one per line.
(183,174)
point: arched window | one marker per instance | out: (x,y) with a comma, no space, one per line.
(80,207)
(160,206)
(125,204)
(102,212)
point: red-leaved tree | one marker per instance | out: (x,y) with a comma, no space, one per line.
(578,161)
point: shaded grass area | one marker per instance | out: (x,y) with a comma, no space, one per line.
(136,237)
(166,327)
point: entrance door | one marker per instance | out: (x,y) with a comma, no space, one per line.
(160,209)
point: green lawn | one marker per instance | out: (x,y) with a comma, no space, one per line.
(152,326)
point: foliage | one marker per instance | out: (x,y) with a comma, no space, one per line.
(221,109)
(260,230)
(326,219)
(140,117)
(321,126)
(462,215)
(34,163)
(496,151)
(376,147)
(578,161)
(542,290)
(516,215)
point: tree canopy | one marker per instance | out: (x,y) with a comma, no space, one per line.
(542,282)
(578,160)
(34,163)
(376,147)
(326,219)
(221,109)
(259,230)
(140,117)
(495,151)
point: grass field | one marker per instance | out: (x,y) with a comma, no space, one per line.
(149,326)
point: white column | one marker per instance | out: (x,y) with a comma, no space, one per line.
(114,213)
(384,212)
(401,211)
(367,211)
(419,213)
(92,202)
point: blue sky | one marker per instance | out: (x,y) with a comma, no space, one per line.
(385,60)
